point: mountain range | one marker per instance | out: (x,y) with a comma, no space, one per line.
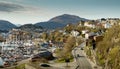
(56,22)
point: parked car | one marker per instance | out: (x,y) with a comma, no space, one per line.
(82,48)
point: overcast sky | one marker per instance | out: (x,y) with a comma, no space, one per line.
(32,11)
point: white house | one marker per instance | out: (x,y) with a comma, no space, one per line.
(87,35)
(89,25)
(84,31)
(75,33)
(107,25)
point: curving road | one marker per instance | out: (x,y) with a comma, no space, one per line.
(80,58)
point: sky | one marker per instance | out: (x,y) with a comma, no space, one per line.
(33,11)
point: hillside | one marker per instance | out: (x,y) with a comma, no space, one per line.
(6,25)
(108,50)
(50,25)
(66,18)
(60,21)
(30,28)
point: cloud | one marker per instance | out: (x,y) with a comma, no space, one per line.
(19,8)
(10,7)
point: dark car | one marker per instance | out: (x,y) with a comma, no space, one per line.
(78,55)
(82,48)
(45,65)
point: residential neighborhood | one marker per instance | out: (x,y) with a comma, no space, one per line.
(19,44)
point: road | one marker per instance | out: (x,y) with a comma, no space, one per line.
(80,58)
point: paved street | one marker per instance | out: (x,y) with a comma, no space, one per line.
(80,58)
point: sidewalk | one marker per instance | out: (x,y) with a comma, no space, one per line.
(71,65)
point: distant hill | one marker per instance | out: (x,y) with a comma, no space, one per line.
(66,18)
(50,25)
(6,25)
(60,21)
(30,28)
